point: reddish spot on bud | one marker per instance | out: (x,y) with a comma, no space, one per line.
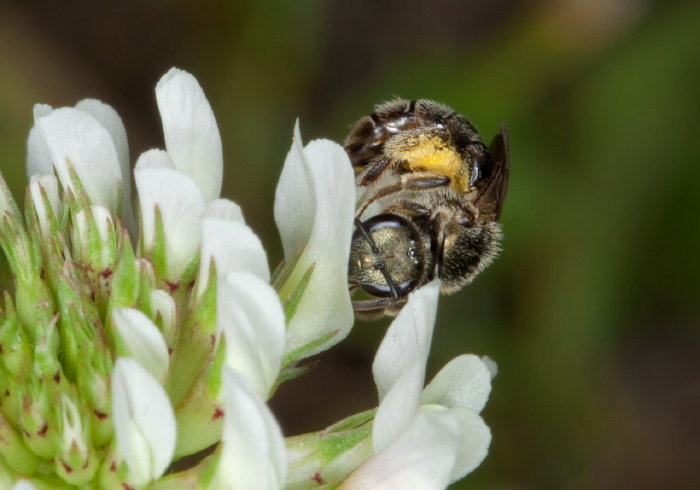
(66,467)
(170,350)
(172,286)
(100,415)
(57,377)
(212,339)
(190,285)
(127,487)
(317,478)
(42,431)
(42,274)
(0,349)
(218,413)
(106,273)
(113,466)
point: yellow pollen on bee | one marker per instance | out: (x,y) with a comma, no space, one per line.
(435,156)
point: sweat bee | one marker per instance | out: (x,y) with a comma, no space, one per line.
(434,193)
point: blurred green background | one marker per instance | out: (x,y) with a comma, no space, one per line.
(592,311)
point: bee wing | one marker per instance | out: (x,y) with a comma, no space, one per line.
(490,199)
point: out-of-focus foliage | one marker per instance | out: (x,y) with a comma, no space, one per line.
(593,310)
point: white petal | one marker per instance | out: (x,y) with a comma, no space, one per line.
(72,135)
(408,337)
(253,453)
(38,154)
(143,341)
(41,110)
(399,366)
(224,209)
(154,159)
(109,118)
(464,382)
(72,429)
(144,421)
(181,206)
(23,485)
(399,407)
(421,459)
(191,135)
(234,248)
(315,208)
(295,199)
(164,305)
(50,185)
(491,364)
(475,438)
(252,320)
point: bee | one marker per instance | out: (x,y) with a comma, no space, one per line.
(434,194)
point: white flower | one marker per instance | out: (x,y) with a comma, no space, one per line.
(252,454)
(314,212)
(424,438)
(144,421)
(91,139)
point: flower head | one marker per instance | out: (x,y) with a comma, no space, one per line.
(132,341)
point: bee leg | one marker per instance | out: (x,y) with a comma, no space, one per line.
(375,171)
(407,183)
(378,305)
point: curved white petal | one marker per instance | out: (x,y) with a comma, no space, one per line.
(407,338)
(474,442)
(181,205)
(38,154)
(191,135)
(399,407)
(253,454)
(399,366)
(74,136)
(143,341)
(234,248)
(109,118)
(422,458)
(315,208)
(154,159)
(144,421)
(224,209)
(464,382)
(252,320)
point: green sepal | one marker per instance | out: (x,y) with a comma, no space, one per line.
(284,271)
(197,339)
(124,281)
(200,413)
(301,352)
(293,372)
(17,351)
(158,252)
(16,453)
(75,197)
(32,296)
(70,463)
(332,453)
(52,244)
(82,335)
(292,302)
